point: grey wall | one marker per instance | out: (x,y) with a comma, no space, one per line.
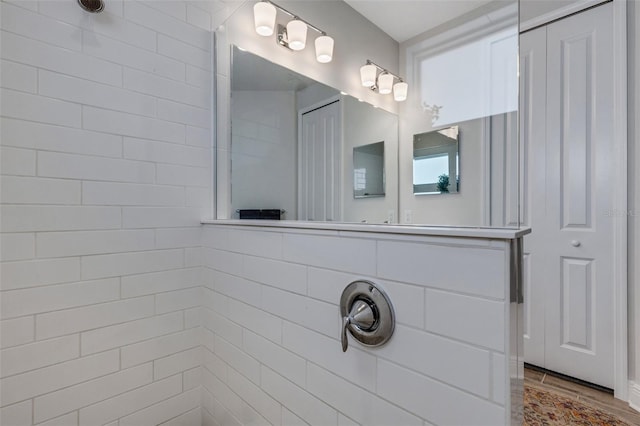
(372,125)
(356,40)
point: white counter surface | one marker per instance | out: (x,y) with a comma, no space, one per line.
(445,231)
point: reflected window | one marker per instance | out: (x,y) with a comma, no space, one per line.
(368,170)
(427,171)
(359,179)
(435,162)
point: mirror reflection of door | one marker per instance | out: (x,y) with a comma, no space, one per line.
(320,154)
(436,164)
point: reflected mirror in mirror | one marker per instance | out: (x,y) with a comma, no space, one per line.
(368,170)
(436,162)
(292,143)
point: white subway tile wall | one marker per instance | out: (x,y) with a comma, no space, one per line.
(271,321)
(106,152)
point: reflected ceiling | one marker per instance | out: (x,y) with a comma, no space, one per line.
(270,77)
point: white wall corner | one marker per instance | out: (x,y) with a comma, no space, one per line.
(634,395)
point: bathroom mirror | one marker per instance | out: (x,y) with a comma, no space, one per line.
(368,170)
(264,132)
(436,165)
(295,143)
(432,54)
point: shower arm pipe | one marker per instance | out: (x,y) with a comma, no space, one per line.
(384,70)
(294,16)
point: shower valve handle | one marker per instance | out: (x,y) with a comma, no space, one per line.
(361,317)
(345,342)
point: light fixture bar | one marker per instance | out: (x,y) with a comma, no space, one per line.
(296,17)
(384,70)
(383,82)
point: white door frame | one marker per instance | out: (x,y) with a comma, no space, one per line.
(619,208)
(621,342)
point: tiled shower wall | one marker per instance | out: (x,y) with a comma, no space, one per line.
(272,329)
(264,133)
(105,178)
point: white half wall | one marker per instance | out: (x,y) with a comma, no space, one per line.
(272,329)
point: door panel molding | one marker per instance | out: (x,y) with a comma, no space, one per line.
(576,171)
(577,293)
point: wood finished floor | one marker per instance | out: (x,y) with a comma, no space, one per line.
(584,394)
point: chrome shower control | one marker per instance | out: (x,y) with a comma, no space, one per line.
(361,317)
(366,313)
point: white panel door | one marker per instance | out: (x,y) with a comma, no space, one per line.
(320,179)
(571,249)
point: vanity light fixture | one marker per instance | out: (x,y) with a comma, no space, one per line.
(324,49)
(400,90)
(264,18)
(383,82)
(294,35)
(368,75)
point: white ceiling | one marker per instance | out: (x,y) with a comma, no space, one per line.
(404,19)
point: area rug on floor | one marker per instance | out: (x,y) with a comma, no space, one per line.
(548,408)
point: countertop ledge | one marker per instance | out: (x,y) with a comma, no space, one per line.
(443,231)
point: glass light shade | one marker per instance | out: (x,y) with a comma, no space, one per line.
(296,34)
(264,17)
(368,75)
(324,49)
(385,83)
(400,91)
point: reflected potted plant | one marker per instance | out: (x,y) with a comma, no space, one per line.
(443,183)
